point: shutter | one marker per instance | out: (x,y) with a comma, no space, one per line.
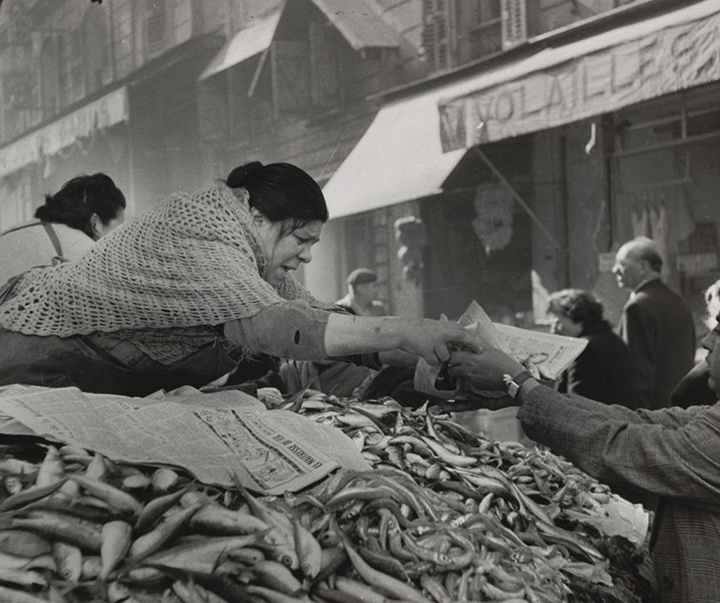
(325,66)
(49,77)
(514,23)
(97,52)
(438,31)
(155,24)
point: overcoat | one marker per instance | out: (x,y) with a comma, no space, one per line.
(658,327)
(671,453)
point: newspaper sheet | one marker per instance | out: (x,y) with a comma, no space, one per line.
(208,434)
(544,354)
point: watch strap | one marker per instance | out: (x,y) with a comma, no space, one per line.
(513,384)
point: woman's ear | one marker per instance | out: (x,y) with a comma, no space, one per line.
(257,217)
(95,226)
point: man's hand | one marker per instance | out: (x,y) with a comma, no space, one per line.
(484,370)
(475,401)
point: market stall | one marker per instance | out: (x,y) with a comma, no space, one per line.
(424,510)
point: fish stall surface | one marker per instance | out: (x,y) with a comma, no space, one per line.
(443,516)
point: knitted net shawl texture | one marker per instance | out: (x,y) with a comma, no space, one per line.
(189,261)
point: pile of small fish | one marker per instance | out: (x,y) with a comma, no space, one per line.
(444,515)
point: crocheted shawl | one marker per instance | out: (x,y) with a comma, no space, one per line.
(189,261)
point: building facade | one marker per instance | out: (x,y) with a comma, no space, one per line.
(493,150)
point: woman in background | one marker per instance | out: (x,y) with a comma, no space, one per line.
(67,225)
(604,370)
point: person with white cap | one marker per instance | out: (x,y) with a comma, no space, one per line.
(362,293)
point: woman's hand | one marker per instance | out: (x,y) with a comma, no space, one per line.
(434,340)
(483,371)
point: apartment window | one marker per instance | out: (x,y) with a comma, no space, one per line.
(291,70)
(325,65)
(49,78)
(459,31)
(484,20)
(307,67)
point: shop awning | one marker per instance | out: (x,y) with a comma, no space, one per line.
(399,158)
(359,24)
(244,44)
(415,142)
(95,116)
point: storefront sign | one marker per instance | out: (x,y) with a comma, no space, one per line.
(662,62)
(97,115)
(22,152)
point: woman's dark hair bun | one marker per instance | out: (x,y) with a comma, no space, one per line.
(239,175)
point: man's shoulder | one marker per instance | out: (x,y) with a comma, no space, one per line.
(657,299)
(654,290)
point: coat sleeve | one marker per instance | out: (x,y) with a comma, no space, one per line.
(670,453)
(694,389)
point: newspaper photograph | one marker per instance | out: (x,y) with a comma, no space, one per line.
(544,354)
(211,435)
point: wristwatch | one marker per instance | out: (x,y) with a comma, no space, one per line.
(512,384)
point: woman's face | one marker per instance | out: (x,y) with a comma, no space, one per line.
(562,325)
(285,249)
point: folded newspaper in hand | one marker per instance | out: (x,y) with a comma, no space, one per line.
(543,354)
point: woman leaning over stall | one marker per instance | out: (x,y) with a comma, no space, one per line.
(196,285)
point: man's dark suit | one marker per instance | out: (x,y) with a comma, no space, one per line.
(659,329)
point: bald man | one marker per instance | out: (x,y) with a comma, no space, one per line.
(656,323)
